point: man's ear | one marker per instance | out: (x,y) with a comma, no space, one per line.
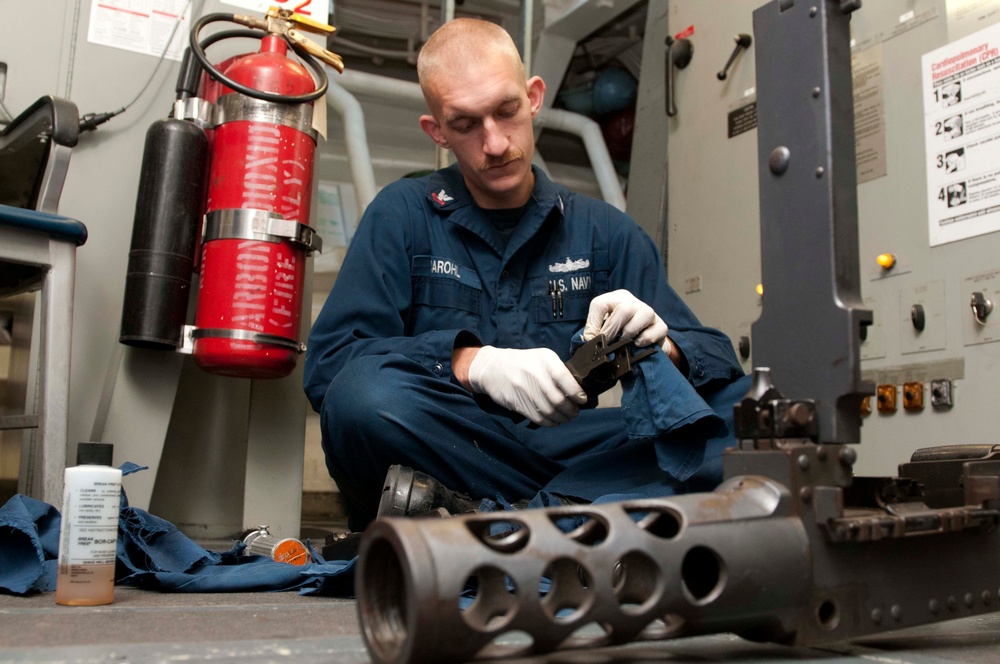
(433,129)
(536,94)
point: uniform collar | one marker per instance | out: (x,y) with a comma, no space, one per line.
(446,190)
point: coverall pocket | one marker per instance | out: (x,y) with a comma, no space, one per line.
(563,299)
(442,302)
(430,292)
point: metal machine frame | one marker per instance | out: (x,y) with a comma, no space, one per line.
(38,253)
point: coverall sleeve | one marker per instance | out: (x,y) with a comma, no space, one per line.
(636,266)
(366,313)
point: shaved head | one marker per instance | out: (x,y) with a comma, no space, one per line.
(451,45)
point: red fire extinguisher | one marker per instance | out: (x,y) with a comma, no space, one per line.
(251,119)
(256,234)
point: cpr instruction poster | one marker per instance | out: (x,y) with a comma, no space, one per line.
(962,124)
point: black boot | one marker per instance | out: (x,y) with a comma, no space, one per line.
(407,492)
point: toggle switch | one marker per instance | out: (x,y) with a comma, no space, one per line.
(941,393)
(917,317)
(866,406)
(981,307)
(679,52)
(744,347)
(742,41)
(913,396)
(885,396)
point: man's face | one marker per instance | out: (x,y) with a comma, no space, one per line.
(482,111)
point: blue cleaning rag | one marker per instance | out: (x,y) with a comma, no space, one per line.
(153,554)
(29,545)
(660,404)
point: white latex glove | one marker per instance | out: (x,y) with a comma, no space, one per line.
(533,382)
(620,311)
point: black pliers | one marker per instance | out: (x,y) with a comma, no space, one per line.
(597,365)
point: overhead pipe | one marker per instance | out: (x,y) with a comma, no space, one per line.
(527,32)
(597,150)
(359,82)
(442,156)
(356,139)
(588,130)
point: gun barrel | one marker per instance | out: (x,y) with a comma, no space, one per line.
(448,590)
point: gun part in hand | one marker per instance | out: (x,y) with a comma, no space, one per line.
(597,365)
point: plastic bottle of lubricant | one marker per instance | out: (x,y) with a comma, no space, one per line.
(89,531)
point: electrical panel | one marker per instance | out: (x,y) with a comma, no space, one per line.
(930,349)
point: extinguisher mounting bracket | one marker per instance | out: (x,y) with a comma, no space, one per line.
(236,107)
(195,109)
(193,333)
(250,224)
(187,340)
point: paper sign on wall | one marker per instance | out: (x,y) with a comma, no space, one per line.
(968,16)
(315,9)
(869,113)
(961,88)
(141,26)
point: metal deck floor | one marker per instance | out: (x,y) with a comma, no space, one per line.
(147,626)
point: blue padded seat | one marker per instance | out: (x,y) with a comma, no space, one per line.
(56,226)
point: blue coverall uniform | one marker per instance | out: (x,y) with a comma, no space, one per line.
(426,269)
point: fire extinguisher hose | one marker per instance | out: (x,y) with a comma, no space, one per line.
(198,50)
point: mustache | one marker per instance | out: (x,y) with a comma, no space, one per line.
(512,154)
